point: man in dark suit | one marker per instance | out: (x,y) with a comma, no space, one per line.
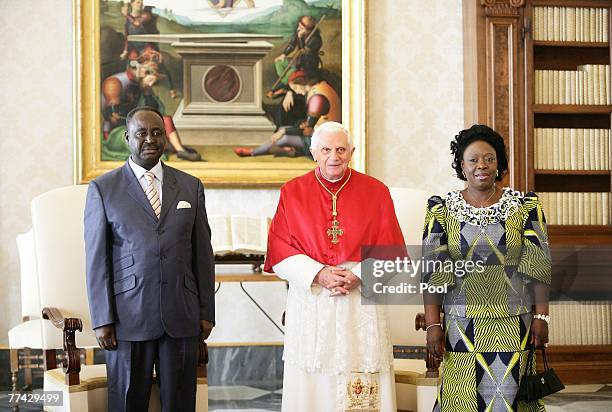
(150,272)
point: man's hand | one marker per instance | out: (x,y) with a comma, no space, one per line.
(539,333)
(106,337)
(280,57)
(331,281)
(350,281)
(288,101)
(206,328)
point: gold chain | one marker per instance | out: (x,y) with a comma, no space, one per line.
(334,195)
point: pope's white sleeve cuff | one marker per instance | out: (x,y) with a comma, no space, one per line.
(357,270)
(298,270)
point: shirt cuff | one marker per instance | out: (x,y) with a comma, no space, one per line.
(356,270)
(298,270)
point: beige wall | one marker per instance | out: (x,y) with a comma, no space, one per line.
(415,86)
(36,118)
(415,107)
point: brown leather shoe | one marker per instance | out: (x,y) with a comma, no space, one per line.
(243,151)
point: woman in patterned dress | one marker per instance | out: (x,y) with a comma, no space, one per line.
(496,308)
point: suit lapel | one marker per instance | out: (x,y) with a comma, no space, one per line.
(170,191)
(135,190)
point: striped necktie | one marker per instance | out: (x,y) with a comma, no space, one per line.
(152,194)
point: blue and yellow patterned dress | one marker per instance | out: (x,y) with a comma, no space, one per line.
(488,308)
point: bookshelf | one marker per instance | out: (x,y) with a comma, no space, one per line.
(562,38)
(505,54)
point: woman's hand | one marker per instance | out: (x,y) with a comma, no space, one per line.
(539,333)
(435,341)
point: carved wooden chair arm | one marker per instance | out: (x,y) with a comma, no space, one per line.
(72,362)
(432,363)
(60,322)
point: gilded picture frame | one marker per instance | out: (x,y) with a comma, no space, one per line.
(88,117)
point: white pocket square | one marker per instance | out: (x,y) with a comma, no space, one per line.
(183,204)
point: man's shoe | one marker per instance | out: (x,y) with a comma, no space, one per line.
(190,156)
(243,151)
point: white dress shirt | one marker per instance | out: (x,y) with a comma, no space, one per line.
(157,170)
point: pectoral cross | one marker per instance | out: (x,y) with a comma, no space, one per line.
(334,231)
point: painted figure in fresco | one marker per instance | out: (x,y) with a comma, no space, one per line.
(141,20)
(322,105)
(226,4)
(307,42)
(122,92)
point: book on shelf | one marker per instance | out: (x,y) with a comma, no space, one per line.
(574,328)
(593,24)
(556,150)
(607,84)
(589,216)
(606,310)
(571,24)
(576,208)
(565,212)
(601,334)
(599,206)
(589,84)
(572,149)
(593,149)
(589,322)
(581,209)
(239,234)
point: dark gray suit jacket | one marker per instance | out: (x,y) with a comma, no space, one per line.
(143,275)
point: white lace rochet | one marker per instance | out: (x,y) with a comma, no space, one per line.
(336,335)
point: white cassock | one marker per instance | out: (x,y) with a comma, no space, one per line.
(338,353)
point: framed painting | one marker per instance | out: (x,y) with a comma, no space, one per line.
(241,83)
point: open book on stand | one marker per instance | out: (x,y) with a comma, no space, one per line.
(239,239)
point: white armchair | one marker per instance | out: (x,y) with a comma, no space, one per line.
(416,381)
(410,205)
(27,335)
(57,219)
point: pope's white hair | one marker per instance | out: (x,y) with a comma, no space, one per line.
(328,128)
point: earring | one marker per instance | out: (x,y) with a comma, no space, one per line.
(497,173)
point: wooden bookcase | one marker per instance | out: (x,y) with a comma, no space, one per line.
(500,59)
(564,55)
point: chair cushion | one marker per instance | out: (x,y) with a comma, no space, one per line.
(30,296)
(26,335)
(92,377)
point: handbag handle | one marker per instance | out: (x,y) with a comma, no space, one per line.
(544,359)
(531,356)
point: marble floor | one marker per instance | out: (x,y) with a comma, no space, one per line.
(240,398)
(243,399)
(575,398)
(245,388)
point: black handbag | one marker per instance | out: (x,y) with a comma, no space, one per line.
(534,387)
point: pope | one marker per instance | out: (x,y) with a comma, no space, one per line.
(338,353)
